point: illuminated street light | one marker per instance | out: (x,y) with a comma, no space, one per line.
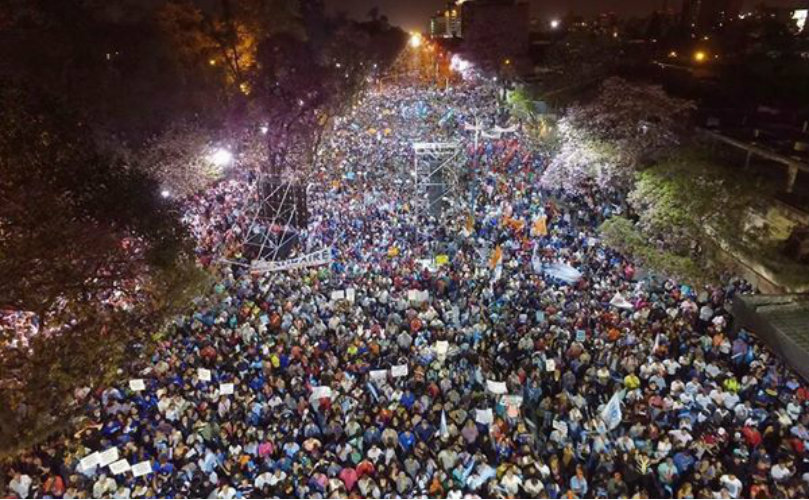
(555,23)
(700,56)
(165,193)
(221,157)
(415,40)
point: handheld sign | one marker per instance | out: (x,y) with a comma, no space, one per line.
(142,468)
(136,384)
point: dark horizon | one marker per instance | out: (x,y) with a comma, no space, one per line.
(414,14)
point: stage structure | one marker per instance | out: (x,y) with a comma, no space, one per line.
(437,170)
(279,219)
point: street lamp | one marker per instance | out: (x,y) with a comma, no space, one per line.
(165,193)
(221,157)
(700,56)
(554,23)
(415,39)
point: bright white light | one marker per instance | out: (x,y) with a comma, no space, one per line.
(457,63)
(221,157)
(415,40)
(264,129)
(555,23)
(799,16)
(165,193)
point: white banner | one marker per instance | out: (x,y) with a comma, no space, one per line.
(204,374)
(90,461)
(484,417)
(120,466)
(319,258)
(496,387)
(320,392)
(108,456)
(378,374)
(143,468)
(398,371)
(225,389)
(136,384)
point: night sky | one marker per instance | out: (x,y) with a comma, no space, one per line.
(414,14)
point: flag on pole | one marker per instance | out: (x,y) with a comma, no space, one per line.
(540,227)
(611,414)
(497,257)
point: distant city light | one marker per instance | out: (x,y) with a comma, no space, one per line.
(415,40)
(165,193)
(673,53)
(700,56)
(555,23)
(221,157)
(799,16)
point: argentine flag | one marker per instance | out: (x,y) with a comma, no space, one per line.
(611,414)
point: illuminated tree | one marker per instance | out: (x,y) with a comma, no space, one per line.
(626,127)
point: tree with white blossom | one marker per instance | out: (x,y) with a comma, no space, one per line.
(627,126)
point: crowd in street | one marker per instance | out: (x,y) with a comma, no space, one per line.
(496,349)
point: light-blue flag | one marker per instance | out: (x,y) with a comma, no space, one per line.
(611,414)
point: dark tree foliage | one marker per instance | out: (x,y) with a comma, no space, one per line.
(309,75)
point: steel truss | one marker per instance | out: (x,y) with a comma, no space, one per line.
(437,167)
(271,232)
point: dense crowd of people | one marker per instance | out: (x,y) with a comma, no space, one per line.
(495,349)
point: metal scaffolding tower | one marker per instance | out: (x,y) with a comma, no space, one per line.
(436,169)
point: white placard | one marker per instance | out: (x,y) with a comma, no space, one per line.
(120,466)
(204,374)
(145,467)
(378,374)
(338,295)
(351,295)
(398,371)
(413,295)
(512,400)
(90,461)
(424,296)
(136,384)
(108,456)
(550,365)
(225,389)
(496,387)
(320,392)
(484,417)
(441,348)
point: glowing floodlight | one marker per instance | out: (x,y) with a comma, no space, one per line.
(221,157)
